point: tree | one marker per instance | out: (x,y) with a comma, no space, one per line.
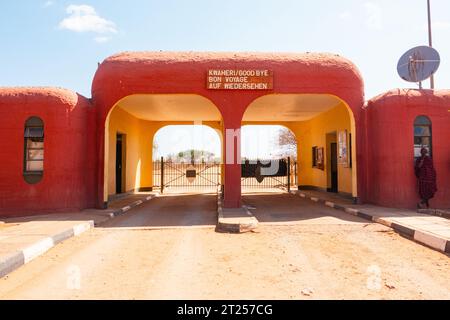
(287,143)
(155,148)
(190,155)
(287,138)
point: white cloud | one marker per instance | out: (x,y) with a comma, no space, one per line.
(48,3)
(102,39)
(84,18)
(374,16)
(345,15)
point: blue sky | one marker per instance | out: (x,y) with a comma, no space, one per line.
(44,43)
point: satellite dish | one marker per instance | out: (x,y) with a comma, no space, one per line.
(418,64)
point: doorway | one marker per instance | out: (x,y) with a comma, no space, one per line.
(120,163)
(269,158)
(332,163)
(334,168)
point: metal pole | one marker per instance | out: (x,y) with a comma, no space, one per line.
(296,174)
(430,38)
(162,175)
(289,174)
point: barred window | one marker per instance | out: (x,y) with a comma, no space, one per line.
(33,150)
(422,135)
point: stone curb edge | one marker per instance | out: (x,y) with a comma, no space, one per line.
(425,238)
(20,258)
(134,204)
(233,227)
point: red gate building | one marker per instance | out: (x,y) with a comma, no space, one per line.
(59,148)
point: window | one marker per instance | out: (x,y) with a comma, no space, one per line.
(33,150)
(422,135)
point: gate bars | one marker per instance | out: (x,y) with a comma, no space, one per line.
(253,176)
(169,174)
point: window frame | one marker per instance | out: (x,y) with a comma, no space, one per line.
(423,121)
(38,136)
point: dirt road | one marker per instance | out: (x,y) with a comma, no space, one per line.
(168,248)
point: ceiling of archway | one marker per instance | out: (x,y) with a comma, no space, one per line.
(290,107)
(170,107)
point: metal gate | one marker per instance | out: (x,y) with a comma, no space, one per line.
(274,173)
(168,174)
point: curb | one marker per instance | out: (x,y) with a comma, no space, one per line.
(22,257)
(226,227)
(422,237)
(436,212)
(123,210)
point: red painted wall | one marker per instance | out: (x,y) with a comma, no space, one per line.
(69,181)
(75,126)
(390,141)
(161,72)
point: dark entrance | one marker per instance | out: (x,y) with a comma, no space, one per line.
(120,163)
(334,168)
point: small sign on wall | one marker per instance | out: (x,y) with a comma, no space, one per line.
(191,174)
(343,155)
(238,79)
(318,158)
(321,158)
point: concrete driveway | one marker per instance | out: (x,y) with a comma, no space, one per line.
(168,249)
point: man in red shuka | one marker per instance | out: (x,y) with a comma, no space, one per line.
(426,175)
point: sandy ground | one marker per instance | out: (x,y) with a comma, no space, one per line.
(168,249)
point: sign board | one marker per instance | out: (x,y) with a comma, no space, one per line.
(191,174)
(239,79)
(321,158)
(343,149)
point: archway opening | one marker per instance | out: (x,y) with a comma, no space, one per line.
(187,158)
(269,158)
(130,128)
(324,127)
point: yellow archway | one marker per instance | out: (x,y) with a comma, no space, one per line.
(313,118)
(137,118)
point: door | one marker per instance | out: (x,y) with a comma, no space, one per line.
(119,164)
(334,168)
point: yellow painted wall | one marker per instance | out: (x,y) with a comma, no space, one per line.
(139,148)
(314,133)
(140,135)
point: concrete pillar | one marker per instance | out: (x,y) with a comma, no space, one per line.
(232,106)
(232,165)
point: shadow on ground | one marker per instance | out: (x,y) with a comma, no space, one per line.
(284,207)
(171,210)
